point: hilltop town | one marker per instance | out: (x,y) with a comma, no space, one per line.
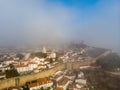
(70,78)
(37,61)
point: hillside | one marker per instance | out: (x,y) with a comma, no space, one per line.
(100,80)
(95,51)
(110,62)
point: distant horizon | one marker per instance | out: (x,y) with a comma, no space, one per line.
(32,22)
(59,45)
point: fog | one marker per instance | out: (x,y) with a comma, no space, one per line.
(32,22)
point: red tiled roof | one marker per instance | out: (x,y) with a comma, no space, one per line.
(22,65)
(40,81)
(32,63)
(59,88)
(32,85)
(40,65)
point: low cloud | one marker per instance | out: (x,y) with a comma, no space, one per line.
(33,23)
(36,22)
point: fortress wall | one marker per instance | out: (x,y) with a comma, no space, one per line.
(46,73)
(6,83)
(26,78)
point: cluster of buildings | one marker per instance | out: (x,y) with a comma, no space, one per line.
(61,80)
(29,64)
(41,83)
(33,64)
(79,55)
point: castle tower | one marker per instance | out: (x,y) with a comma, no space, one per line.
(44,50)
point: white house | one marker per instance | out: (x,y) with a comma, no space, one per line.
(53,55)
(80,75)
(4,68)
(1,65)
(70,75)
(32,65)
(2,75)
(38,60)
(24,62)
(79,87)
(35,59)
(84,67)
(42,82)
(81,81)
(42,59)
(46,62)
(58,77)
(7,62)
(41,66)
(22,68)
(59,73)
(64,82)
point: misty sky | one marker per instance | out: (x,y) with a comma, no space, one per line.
(24,22)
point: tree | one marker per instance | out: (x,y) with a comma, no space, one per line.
(51,60)
(41,88)
(11,66)
(39,54)
(12,72)
(48,88)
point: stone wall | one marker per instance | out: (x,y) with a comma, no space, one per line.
(21,80)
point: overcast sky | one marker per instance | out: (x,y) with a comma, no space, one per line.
(24,22)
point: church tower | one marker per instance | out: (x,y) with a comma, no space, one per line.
(44,50)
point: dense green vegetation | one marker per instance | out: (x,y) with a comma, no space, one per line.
(109,62)
(39,54)
(94,52)
(100,80)
(12,72)
(51,60)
